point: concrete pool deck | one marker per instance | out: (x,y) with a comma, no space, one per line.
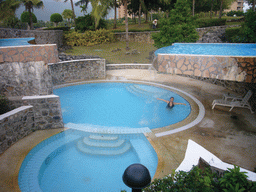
(231,136)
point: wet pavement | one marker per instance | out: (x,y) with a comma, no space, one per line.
(231,136)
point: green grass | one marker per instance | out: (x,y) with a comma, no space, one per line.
(132,27)
(118,57)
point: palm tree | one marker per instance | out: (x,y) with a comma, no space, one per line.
(29,6)
(126,24)
(8,8)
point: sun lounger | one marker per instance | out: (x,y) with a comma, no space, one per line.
(234,102)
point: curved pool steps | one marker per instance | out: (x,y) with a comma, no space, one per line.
(103,148)
(97,143)
(103,137)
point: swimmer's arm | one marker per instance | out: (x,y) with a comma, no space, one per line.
(179,103)
(162,100)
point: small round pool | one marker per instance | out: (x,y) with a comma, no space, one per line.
(120,105)
(225,49)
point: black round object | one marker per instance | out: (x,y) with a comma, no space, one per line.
(136,176)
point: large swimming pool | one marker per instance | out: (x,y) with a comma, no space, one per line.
(227,49)
(119,105)
(15,41)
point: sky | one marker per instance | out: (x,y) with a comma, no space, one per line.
(52,6)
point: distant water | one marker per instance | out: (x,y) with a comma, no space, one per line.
(225,49)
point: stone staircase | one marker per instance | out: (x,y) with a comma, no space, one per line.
(103,145)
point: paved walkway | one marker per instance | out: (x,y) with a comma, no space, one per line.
(231,136)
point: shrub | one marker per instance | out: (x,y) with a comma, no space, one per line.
(4,105)
(56,18)
(179,27)
(210,22)
(237,13)
(89,38)
(234,35)
(87,23)
(198,180)
(25,17)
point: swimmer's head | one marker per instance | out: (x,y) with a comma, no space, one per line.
(172,98)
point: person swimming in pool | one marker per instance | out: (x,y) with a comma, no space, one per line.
(170,103)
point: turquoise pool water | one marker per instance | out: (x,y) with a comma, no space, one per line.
(121,105)
(15,41)
(79,161)
(225,49)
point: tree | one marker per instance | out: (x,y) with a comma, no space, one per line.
(56,18)
(67,14)
(26,18)
(29,6)
(251,3)
(99,10)
(8,8)
(83,4)
(179,27)
(73,10)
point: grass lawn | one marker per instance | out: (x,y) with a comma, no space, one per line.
(106,51)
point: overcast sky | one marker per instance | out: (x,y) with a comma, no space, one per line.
(51,6)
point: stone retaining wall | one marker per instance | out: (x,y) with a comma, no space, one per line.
(77,70)
(241,69)
(24,70)
(15,125)
(128,66)
(41,36)
(35,113)
(141,37)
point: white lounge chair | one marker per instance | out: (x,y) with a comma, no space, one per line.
(235,102)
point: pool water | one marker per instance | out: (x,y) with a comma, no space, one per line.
(226,49)
(15,41)
(75,161)
(121,105)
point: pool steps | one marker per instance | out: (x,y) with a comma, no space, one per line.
(145,92)
(103,145)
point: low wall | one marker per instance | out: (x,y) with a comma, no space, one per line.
(24,70)
(35,113)
(241,69)
(77,70)
(15,125)
(127,66)
(141,37)
(41,36)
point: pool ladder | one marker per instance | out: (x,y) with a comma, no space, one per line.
(103,145)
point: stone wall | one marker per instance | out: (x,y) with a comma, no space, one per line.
(212,34)
(15,125)
(128,66)
(33,113)
(141,37)
(241,69)
(24,70)
(77,70)
(41,36)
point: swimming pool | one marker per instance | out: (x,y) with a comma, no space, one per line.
(78,161)
(119,105)
(227,49)
(15,41)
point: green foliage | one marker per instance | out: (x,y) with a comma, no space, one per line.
(237,13)
(245,34)
(198,180)
(89,38)
(233,35)
(179,27)
(210,22)
(25,17)
(56,18)
(87,23)
(4,105)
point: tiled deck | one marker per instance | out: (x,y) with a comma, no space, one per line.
(231,136)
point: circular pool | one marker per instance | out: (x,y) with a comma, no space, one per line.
(122,105)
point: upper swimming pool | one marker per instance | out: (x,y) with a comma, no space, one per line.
(119,105)
(15,41)
(225,49)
